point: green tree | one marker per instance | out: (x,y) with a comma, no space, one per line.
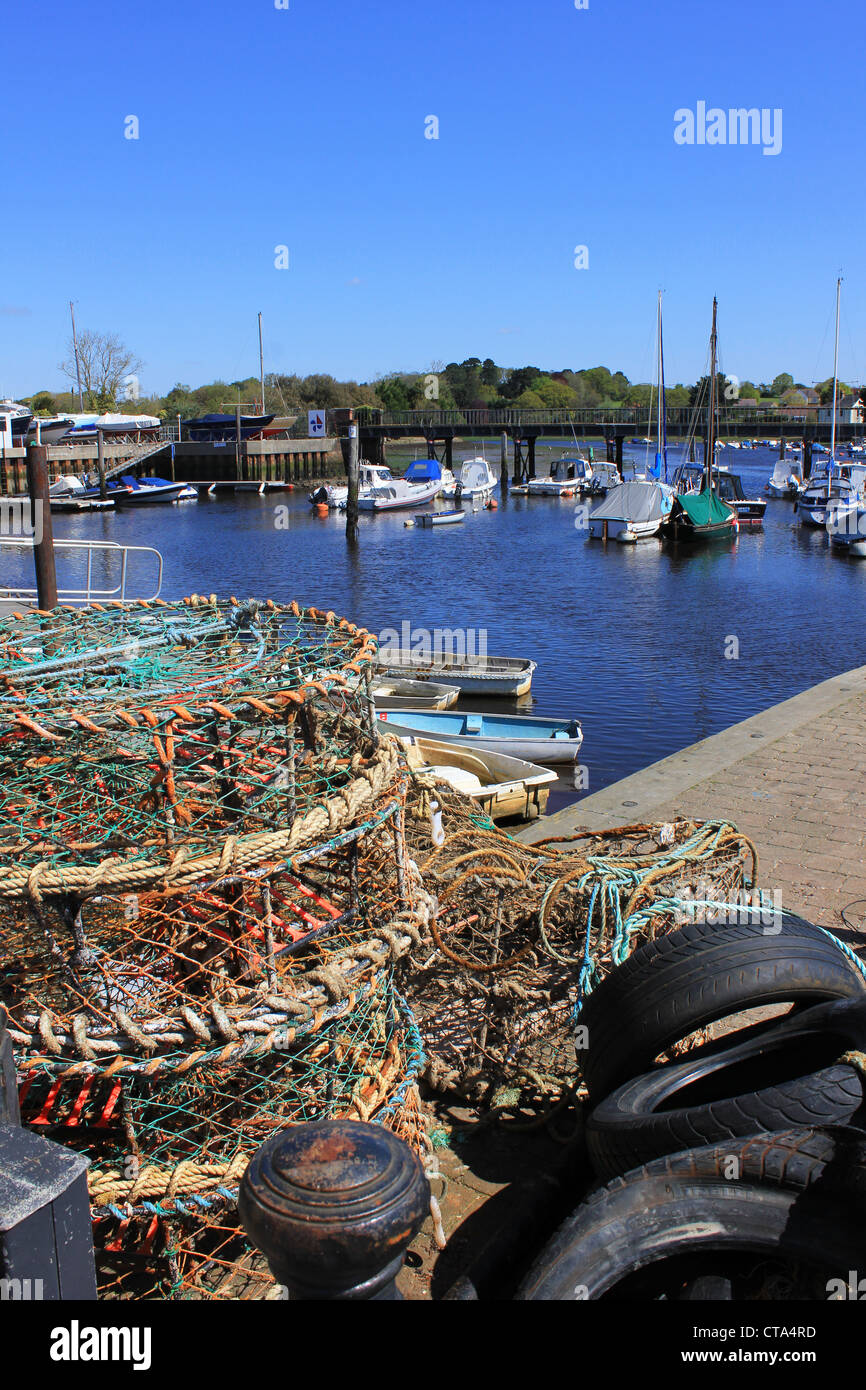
(43,403)
(782,383)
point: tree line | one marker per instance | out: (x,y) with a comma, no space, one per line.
(107,371)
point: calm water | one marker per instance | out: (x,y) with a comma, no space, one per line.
(629,639)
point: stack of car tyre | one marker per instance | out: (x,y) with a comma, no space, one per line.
(737,1170)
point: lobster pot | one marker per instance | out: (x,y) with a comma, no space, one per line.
(131,654)
(164,1228)
(112,980)
(524,932)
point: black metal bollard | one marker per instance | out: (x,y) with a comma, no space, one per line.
(333,1206)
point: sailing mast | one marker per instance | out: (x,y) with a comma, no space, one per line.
(711,413)
(75,350)
(261,362)
(661,409)
(835,389)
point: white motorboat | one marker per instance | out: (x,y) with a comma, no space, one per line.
(385,493)
(833,493)
(502,786)
(783,481)
(49,431)
(475,479)
(68,494)
(336,494)
(569,474)
(631,512)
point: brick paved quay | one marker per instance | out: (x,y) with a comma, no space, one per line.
(793,778)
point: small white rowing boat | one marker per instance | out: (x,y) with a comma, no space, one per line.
(502,786)
(439,518)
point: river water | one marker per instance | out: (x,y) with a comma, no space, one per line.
(635,641)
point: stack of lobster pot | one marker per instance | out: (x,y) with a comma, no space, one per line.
(204,894)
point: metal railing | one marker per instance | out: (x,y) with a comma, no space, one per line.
(677,417)
(118,581)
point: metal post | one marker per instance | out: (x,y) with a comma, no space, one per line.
(43,540)
(100,463)
(238,442)
(333,1206)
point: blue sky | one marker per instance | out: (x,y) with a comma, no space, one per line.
(304,127)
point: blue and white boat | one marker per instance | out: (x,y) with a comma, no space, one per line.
(523,736)
(130,491)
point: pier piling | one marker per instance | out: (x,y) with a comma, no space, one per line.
(43,538)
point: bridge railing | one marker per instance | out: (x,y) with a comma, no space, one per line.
(678,418)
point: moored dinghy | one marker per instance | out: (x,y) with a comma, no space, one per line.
(399,693)
(508,676)
(523,736)
(439,518)
(502,786)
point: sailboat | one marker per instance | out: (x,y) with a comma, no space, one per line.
(834,497)
(635,510)
(703,516)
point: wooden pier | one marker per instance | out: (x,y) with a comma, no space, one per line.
(270,461)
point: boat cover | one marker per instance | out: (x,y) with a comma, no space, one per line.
(423,471)
(631,502)
(704,508)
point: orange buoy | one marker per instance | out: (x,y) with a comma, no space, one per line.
(492,505)
(322,508)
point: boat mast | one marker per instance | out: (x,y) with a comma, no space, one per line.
(659,392)
(75,350)
(835,389)
(711,412)
(663,437)
(261,362)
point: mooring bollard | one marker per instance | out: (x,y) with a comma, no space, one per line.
(333,1206)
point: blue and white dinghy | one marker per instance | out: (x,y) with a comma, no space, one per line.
(524,736)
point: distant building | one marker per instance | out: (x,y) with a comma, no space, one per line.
(849,411)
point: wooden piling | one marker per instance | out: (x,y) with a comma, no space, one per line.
(43,547)
(354,475)
(503,462)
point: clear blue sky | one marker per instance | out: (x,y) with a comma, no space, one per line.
(305,127)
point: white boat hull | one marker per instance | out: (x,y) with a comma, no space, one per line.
(626,532)
(545,751)
(503,786)
(472,678)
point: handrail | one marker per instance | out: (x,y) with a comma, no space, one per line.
(88,594)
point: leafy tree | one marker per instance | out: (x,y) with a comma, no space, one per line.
(43,403)
(104,363)
(782,383)
(519,380)
(825,391)
(528,400)
(556,395)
